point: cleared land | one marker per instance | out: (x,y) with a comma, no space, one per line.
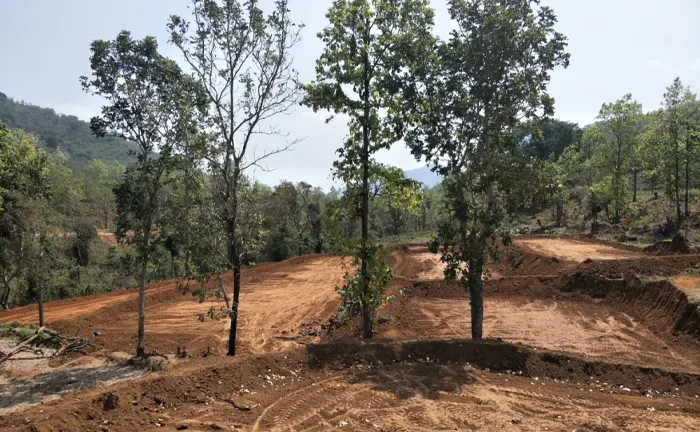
(577,351)
(574,250)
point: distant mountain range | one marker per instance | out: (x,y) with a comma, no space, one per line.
(425,176)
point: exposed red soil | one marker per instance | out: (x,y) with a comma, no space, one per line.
(582,349)
(391,386)
(270,318)
(107,237)
(690,285)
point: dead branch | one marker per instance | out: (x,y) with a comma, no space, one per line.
(44,336)
(18,348)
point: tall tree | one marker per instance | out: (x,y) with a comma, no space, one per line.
(651,150)
(491,73)
(369,45)
(621,121)
(147,96)
(243,60)
(674,122)
(23,183)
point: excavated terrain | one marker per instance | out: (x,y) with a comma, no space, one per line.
(580,335)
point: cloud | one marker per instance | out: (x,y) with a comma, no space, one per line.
(581,118)
(656,64)
(80,111)
(695,66)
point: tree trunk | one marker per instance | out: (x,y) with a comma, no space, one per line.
(40,303)
(5,293)
(187,262)
(141,333)
(235,260)
(366,313)
(172,265)
(634,185)
(222,290)
(560,212)
(476,264)
(142,300)
(687,177)
(677,184)
(476,296)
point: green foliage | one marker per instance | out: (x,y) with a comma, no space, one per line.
(548,139)
(66,133)
(23,189)
(618,130)
(357,292)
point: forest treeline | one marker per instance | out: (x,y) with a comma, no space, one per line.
(626,153)
(474,106)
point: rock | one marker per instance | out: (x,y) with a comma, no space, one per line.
(111,401)
(181,427)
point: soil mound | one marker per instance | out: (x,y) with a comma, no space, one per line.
(661,305)
(498,356)
(678,245)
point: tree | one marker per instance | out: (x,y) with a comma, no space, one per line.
(147,98)
(651,150)
(621,122)
(369,44)
(548,139)
(491,73)
(100,180)
(243,61)
(23,184)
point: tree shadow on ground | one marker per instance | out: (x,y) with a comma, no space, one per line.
(411,368)
(31,391)
(407,380)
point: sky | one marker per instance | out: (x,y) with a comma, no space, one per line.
(616,47)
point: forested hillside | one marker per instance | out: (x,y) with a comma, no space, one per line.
(65,132)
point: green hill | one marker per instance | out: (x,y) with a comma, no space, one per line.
(67,132)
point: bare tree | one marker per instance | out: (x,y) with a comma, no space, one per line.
(244,61)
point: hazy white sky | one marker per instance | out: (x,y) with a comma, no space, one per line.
(616,46)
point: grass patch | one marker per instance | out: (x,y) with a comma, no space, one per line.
(17,330)
(412,237)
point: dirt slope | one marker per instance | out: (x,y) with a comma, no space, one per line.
(278,302)
(573,250)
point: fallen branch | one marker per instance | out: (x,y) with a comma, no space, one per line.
(239,407)
(66,343)
(18,348)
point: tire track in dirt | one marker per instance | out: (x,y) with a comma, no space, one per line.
(397,398)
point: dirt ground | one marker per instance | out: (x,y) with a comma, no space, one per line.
(573,250)
(690,286)
(568,353)
(281,305)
